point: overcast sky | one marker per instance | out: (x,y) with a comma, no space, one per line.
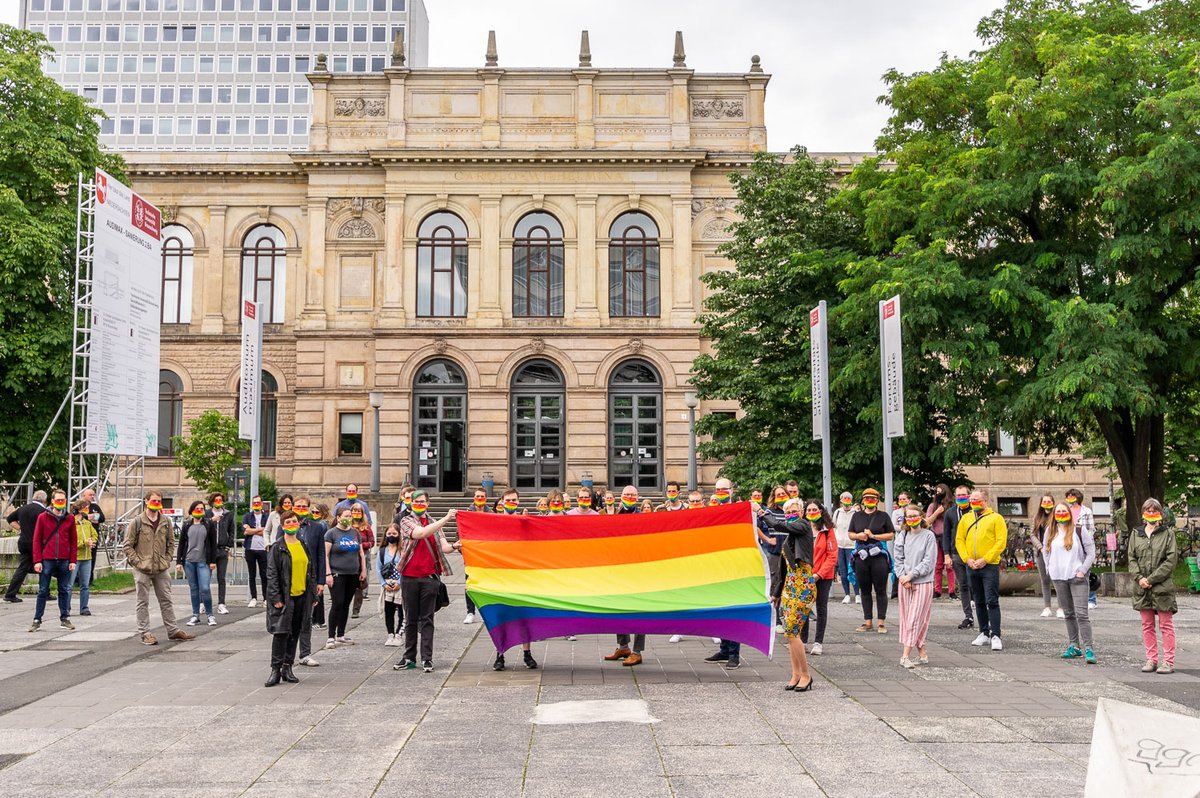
(825,58)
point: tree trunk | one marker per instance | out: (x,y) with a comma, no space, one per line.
(1137,448)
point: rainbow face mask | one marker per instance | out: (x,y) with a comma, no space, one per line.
(847,502)
(1152,517)
(976,504)
(481,501)
(962,501)
(912,523)
(218,504)
(1047,505)
(286,506)
(357,516)
(303,512)
(351,494)
(510,506)
(59,504)
(1071,500)
(1062,517)
(870,502)
(154,505)
(585,503)
(418,508)
(792,516)
(556,508)
(197,514)
(713,502)
(408,501)
(722,495)
(672,495)
(291,525)
(609,501)
(811,516)
(629,504)
(256,507)
(756,497)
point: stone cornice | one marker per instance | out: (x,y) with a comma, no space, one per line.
(572,157)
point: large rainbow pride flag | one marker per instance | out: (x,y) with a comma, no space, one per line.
(696,572)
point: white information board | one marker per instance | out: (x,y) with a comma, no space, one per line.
(893,369)
(122,407)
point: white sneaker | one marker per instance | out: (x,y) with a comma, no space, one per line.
(778,628)
(996,644)
(1091,605)
(905,662)
(330,644)
(570,638)
(717,640)
(981,640)
(252,603)
(221,610)
(392,641)
(816,650)
(344,641)
(1060,613)
(470,618)
(848,598)
(858,599)
(1046,613)
(309,662)
(675,638)
(212,621)
(195,619)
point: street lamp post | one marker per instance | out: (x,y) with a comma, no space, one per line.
(376,399)
(692,402)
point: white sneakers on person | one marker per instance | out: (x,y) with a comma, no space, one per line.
(1060,613)
(344,641)
(816,650)
(717,640)
(778,628)
(857,599)
(1091,605)
(981,640)
(392,641)
(675,638)
(907,663)
(470,618)
(195,619)
(252,603)
(1047,613)
(996,644)
(221,610)
(331,644)
(309,662)
(847,599)
(212,621)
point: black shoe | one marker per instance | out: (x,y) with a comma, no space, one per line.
(530,662)
(718,657)
(967,623)
(405,665)
(806,687)
(733,664)
(953,594)
(288,675)
(273,679)
(13,599)
(937,594)
(427,666)
(85,613)
(354,615)
(498,665)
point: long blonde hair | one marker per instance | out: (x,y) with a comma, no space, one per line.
(1068,529)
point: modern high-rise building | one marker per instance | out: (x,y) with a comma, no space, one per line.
(215,74)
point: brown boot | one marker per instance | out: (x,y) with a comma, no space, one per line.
(633,659)
(179,634)
(620,653)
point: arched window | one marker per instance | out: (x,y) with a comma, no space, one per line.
(440,427)
(635,426)
(268,414)
(170,411)
(538,433)
(442,266)
(633,266)
(177,246)
(538,266)
(263,261)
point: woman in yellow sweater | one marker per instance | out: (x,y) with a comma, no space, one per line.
(86,539)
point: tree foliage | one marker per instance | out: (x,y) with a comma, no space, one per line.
(209,449)
(48,136)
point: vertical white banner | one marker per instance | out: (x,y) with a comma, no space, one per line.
(250,393)
(817,336)
(893,368)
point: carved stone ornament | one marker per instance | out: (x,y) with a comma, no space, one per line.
(169,213)
(716,230)
(538,345)
(356,228)
(635,345)
(440,346)
(356,205)
(358,107)
(718,108)
(718,204)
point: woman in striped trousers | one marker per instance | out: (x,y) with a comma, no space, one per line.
(915,557)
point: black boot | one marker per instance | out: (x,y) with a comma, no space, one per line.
(273,679)
(530,662)
(288,675)
(498,665)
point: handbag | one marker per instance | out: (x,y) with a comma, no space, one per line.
(443,599)
(1093,581)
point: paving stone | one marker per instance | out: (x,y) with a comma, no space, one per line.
(954,730)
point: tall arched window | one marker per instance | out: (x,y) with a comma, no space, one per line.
(538,435)
(263,262)
(442,265)
(170,410)
(177,246)
(633,266)
(268,414)
(440,427)
(635,426)
(538,266)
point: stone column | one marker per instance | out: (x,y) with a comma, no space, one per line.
(313,316)
(756,111)
(318,133)
(213,320)
(393,254)
(487,277)
(682,277)
(588,282)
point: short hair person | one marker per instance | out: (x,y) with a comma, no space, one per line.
(981,539)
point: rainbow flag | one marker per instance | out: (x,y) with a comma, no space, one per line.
(695,572)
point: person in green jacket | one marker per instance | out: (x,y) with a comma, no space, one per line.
(1153,554)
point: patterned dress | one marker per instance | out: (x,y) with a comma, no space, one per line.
(799,595)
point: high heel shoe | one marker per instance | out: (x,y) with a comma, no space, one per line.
(790,686)
(806,687)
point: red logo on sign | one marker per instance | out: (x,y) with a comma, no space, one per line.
(889,308)
(101,187)
(146,217)
(248,311)
(814,317)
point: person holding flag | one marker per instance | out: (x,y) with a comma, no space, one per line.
(628,657)
(479,504)
(674,501)
(583,503)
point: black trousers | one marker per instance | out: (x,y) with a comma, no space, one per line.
(222,569)
(822,610)
(283,644)
(340,597)
(24,569)
(393,611)
(256,563)
(470,604)
(872,576)
(960,579)
(419,596)
(639,642)
(318,610)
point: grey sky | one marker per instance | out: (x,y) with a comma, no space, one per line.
(825,57)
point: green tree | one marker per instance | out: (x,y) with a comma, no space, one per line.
(48,136)
(210,448)
(1038,205)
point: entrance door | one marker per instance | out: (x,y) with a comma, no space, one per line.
(538,427)
(635,427)
(439,428)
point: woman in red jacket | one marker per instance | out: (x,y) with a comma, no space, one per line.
(825,558)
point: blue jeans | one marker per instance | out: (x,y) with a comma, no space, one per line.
(199,579)
(844,564)
(83,578)
(985,591)
(59,570)
(731,648)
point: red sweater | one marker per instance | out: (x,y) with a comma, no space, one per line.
(47,545)
(825,554)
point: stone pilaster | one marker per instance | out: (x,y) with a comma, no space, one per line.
(588,269)
(213,320)
(488,268)
(681,277)
(393,254)
(313,316)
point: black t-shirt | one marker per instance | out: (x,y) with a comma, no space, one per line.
(878,523)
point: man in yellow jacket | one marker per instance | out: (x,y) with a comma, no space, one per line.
(981,539)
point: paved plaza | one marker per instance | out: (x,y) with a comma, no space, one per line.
(93,712)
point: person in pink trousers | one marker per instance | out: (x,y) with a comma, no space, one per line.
(1153,554)
(915,554)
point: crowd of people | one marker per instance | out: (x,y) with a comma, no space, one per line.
(301,550)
